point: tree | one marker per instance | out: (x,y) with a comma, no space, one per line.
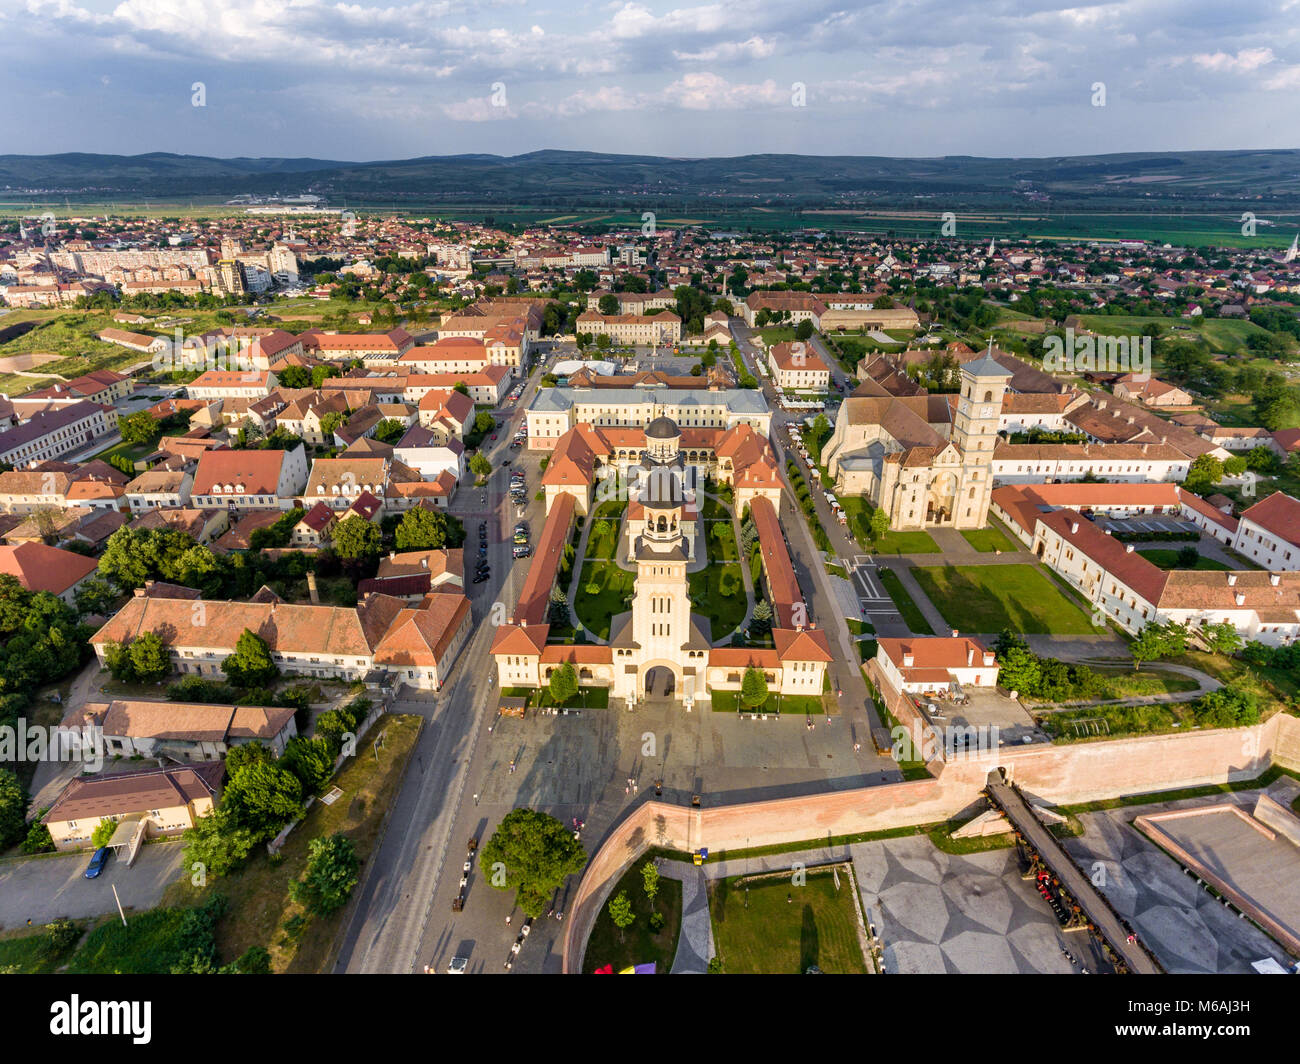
(532,853)
(1187,557)
(423,529)
(480,466)
(1204,473)
(650,879)
(564,683)
(356,538)
(251,665)
(390,430)
(333,869)
(753,687)
(484,422)
(264,797)
(150,660)
(608,304)
(1148,646)
(103,832)
(1221,638)
(620,911)
(1019,668)
(803,330)
(13,809)
(310,760)
(95,596)
(332,422)
(139,428)
(878,523)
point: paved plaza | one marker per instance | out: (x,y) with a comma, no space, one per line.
(1186,927)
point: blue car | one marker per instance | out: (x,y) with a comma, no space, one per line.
(97,863)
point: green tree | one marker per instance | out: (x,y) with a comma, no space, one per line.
(531,853)
(390,430)
(103,832)
(140,428)
(95,596)
(333,869)
(803,330)
(251,665)
(218,844)
(480,466)
(608,304)
(13,809)
(332,422)
(423,529)
(564,683)
(1148,645)
(150,660)
(1205,472)
(1221,638)
(310,760)
(38,838)
(356,538)
(650,879)
(620,912)
(878,523)
(117,659)
(753,687)
(264,798)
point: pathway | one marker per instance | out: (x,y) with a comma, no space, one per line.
(695,944)
(1205,684)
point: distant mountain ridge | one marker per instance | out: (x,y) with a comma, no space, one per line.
(553,176)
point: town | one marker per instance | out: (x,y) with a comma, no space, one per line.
(350,555)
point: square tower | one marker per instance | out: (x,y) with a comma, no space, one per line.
(975,434)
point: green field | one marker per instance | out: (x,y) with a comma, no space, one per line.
(595,609)
(911,613)
(1168,559)
(987,540)
(638,944)
(904,543)
(769,926)
(718,592)
(988,598)
(800,705)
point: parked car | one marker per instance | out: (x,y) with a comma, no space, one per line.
(481,576)
(457,966)
(97,863)
(523,552)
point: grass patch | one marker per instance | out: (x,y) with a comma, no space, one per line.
(904,543)
(987,540)
(638,944)
(1205,791)
(25,953)
(1168,559)
(148,944)
(597,608)
(802,705)
(1092,723)
(835,570)
(911,613)
(975,598)
(860,627)
(718,593)
(259,892)
(768,926)
(1274,689)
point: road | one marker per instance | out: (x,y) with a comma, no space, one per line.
(432,819)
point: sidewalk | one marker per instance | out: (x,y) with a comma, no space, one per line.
(695,945)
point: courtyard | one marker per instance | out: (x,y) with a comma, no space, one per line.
(985,599)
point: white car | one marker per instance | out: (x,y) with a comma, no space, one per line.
(458,966)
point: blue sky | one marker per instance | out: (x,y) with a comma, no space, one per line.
(404,78)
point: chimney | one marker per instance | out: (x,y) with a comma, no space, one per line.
(955,633)
(1275,578)
(1241,598)
(392,554)
(1074,528)
(1101,404)
(1232,579)
(1128,548)
(1144,447)
(909,659)
(970,655)
(311,588)
(424,563)
(989,657)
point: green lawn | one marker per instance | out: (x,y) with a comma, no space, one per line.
(30,954)
(912,615)
(638,944)
(989,598)
(857,515)
(148,944)
(1168,559)
(721,541)
(802,705)
(605,546)
(987,540)
(718,592)
(596,609)
(772,927)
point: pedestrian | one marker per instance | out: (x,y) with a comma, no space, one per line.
(857,747)
(507,919)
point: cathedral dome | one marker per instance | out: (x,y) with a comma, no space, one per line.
(662,428)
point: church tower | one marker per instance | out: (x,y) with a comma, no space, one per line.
(975,434)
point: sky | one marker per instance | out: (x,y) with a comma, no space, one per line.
(397,79)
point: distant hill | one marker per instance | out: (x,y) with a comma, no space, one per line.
(568,177)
